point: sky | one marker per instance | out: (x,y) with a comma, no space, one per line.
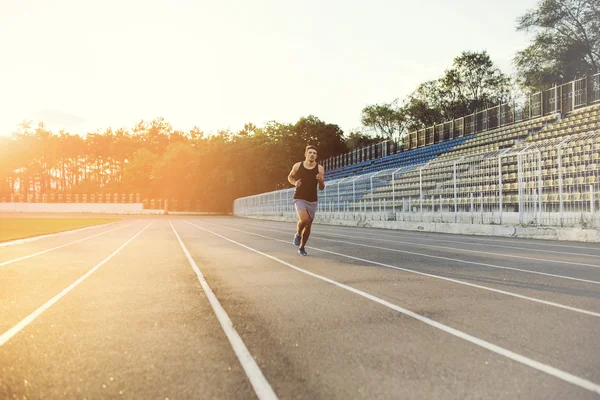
(85,66)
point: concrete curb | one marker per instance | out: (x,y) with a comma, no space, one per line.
(525,232)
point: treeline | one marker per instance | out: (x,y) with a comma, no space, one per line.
(158,162)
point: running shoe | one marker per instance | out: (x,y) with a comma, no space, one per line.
(302,252)
(297,240)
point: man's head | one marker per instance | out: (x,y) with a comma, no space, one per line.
(310,153)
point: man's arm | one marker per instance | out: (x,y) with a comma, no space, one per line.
(292,174)
(321,177)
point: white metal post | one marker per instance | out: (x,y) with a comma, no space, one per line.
(592,199)
(325,199)
(560,181)
(540,184)
(520,185)
(371,179)
(500,185)
(573,96)
(338,194)
(455,199)
(421,192)
(471,198)
(394,192)
(481,205)
(353,196)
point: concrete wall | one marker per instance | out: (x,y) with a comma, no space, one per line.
(527,232)
(112,208)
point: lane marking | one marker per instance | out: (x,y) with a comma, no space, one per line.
(63,245)
(34,238)
(261,386)
(445,258)
(534,299)
(6,336)
(470,238)
(555,372)
(477,251)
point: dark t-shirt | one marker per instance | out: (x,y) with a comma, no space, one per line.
(308,188)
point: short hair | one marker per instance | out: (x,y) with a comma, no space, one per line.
(310,146)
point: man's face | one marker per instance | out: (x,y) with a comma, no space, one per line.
(311,155)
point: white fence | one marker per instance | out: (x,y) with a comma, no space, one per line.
(551,183)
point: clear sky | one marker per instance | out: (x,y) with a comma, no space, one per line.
(86,65)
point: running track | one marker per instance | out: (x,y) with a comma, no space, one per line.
(224,308)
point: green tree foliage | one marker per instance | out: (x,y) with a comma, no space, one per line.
(158,162)
(566,44)
(472,83)
(357,139)
(388,120)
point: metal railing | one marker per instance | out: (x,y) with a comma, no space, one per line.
(538,183)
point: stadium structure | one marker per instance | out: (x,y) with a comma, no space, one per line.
(531,164)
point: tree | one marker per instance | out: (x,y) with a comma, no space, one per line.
(387,119)
(357,139)
(328,138)
(138,173)
(473,83)
(424,106)
(566,45)
(176,172)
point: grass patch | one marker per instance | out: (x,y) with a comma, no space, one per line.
(20,228)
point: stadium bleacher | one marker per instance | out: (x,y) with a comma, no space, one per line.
(537,169)
(406,158)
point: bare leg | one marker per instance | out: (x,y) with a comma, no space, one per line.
(304,219)
(305,234)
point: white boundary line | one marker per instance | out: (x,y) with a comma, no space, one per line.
(555,372)
(442,258)
(534,299)
(419,234)
(6,336)
(62,245)
(34,238)
(377,237)
(261,386)
(477,251)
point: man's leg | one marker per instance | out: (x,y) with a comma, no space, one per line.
(303,220)
(306,233)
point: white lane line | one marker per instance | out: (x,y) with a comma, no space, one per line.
(437,234)
(444,258)
(63,245)
(534,299)
(474,251)
(555,372)
(6,336)
(32,239)
(492,245)
(261,386)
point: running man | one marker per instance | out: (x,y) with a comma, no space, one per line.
(305,175)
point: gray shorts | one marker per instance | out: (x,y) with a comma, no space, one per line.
(309,206)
